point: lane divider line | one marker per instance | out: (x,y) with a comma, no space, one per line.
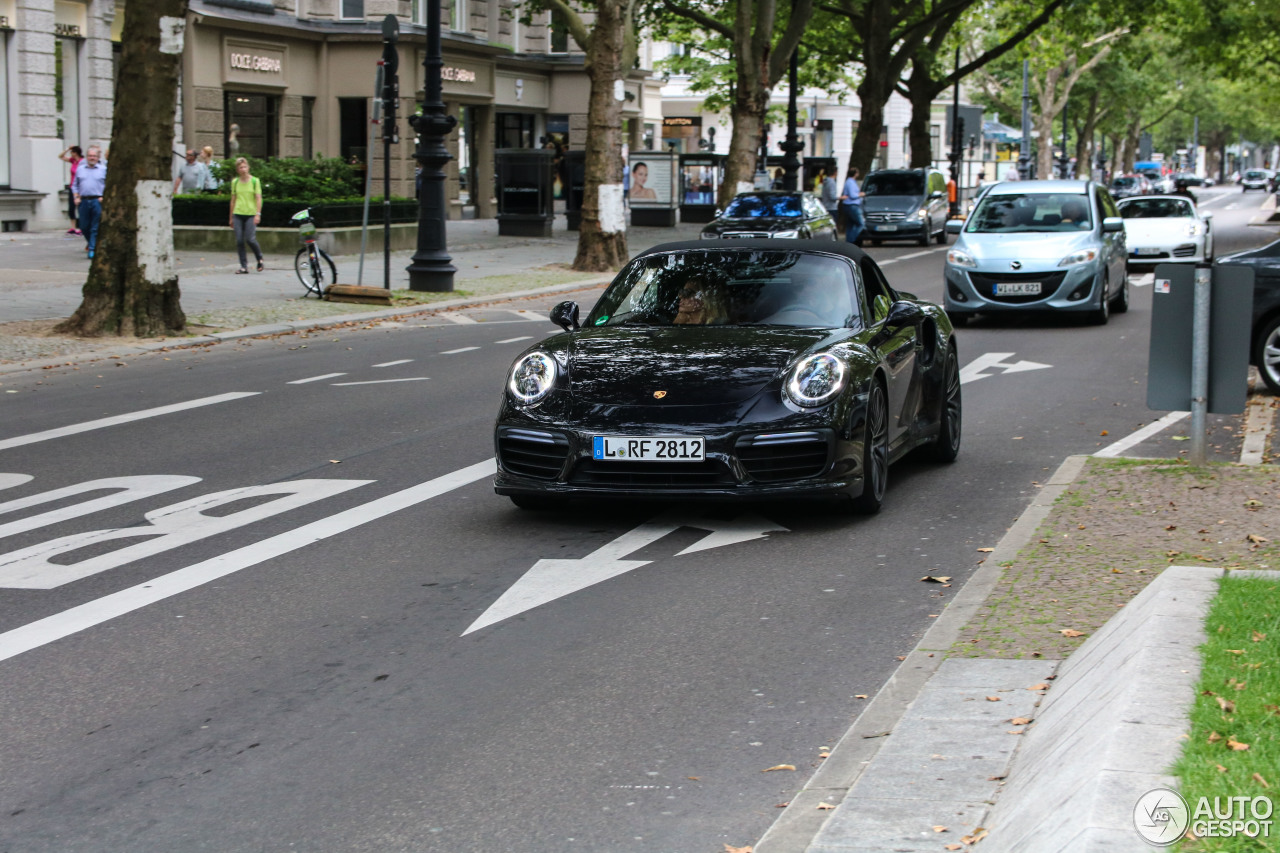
(44,631)
(115,420)
(460,349)
(1116,448)
(319,378)
(515,340)
(382,381)
(394,363)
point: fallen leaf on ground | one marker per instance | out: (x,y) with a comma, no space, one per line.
(782,805)
(825,806)
(779,767)
(1258,637)
(993,698)
(824,755)
(1214,737)
(938,579)
(1071,632)
(985,550)
(995,778)
(953,846)
(939,828)
(1226,705)
(1256,539)
(1235,651)
(1257,777)
(694,778)
(730,849)
(978,835)
(1016,731)
(859,696)
(1020,721)
(1040,686)
(1236,745)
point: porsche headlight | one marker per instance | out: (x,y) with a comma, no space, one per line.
(1081,257)
(815,380)
(792,234)
(960,259)
(1195,229)
(532,377)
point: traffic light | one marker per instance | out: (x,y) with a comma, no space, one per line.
(390,63)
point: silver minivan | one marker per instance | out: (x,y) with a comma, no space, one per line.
(1038,246)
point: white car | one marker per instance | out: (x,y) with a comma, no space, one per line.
(1166,228)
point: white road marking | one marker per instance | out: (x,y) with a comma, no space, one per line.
(383,381)
(917,255)
(319,378)
(62,432)
(531,316)
(1118,447)
(460,349)
(993,360)
(552,579)
(887,262)
(8,481)
(128,489)
(515,340)
(64,624)
(460,319)
(1142,279)
(394,363)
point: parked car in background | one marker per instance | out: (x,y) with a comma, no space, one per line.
(765,369)
(905,204)
(770,213)
(1127,186)
(1264,340)
(1187,179)
(1255,179)
(1039,246)
(1163,229)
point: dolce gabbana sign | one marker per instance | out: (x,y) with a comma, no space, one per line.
(259,64)
(457,75)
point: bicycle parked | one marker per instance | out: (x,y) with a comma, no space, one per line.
(311,260)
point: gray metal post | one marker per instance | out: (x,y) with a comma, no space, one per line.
(1024,147)
(1200,364)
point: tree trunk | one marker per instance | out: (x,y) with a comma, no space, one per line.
(749,108)
(132,288)
(921,91)
(602,237)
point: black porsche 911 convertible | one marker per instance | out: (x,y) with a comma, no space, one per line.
(732,369)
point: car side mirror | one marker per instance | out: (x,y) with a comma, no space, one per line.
(1206,214)
(1112,224)
(903,313)
(718,212)
(565,315)
(935,194)
(955,226)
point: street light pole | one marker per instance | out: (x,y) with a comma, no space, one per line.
(1066,156)
(432,268)
(1024,148)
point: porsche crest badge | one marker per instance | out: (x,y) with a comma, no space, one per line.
(658,395)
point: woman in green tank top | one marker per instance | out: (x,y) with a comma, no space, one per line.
(246,213)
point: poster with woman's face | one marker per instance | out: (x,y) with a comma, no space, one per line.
(650,180)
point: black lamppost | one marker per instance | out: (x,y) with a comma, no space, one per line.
(1024,147)
(432,268)
(792,146)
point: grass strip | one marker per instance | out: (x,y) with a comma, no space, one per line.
(1234,745)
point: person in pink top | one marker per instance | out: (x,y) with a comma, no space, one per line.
(72,155)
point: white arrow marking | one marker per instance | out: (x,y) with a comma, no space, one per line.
(992,360)
(552,579)
(1145,279)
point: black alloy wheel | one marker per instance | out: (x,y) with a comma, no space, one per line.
(947,447)
(1266,354)
(875,453)
(1102,313)
(1120,304)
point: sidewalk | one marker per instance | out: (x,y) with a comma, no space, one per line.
(46,271)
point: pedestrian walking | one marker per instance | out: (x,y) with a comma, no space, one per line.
(72,155)
(829,193)
(246,213)
(192,175)
(851,200)
(211,182)
(86,191)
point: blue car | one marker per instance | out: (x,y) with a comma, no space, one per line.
(1039,246)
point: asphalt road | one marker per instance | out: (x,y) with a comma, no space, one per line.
(299,651)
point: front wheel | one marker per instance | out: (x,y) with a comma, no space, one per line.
(1100,315)
(1120,304)
(947,447)
(1266,354)
(875,453)
(315,269)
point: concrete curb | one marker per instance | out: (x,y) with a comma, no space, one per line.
(297,326)
(801,822)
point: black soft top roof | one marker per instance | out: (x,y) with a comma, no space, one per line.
(829,247)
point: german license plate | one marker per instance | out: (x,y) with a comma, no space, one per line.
(886,227)
(649,448)
(1146,251)
(1017,288)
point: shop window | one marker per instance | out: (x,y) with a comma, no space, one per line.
(515,130)
(4,109)
(66,89)
(351,9)
(559,32)
(252,125)
(353,130)
(458,16)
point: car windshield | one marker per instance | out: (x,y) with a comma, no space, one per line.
(1022,212)
(1124,182)
(753,206)
(1253,175)
(894,185)
(1156,208)
(730,288)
